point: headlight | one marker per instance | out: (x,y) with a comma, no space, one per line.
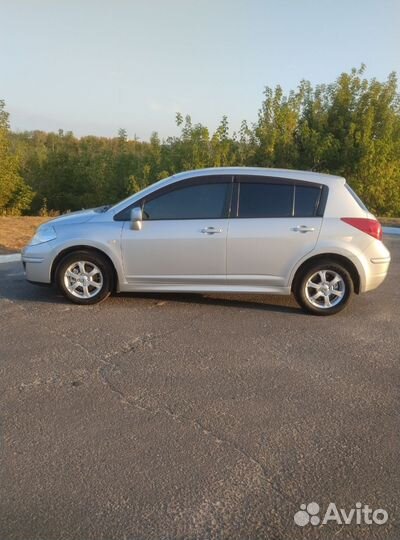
(45,233)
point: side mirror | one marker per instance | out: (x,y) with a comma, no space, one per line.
(136,218)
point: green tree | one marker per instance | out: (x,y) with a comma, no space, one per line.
(122,135)
(15,195)
(350,127)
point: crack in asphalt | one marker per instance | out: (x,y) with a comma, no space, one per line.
(109,367)
(183,419)
(218,439)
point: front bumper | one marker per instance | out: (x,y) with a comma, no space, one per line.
(37,261)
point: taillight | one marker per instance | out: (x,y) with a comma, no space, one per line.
(369,226)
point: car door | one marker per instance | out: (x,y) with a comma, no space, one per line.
(182,241)
(276,224)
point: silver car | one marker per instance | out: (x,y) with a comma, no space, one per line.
(230,230)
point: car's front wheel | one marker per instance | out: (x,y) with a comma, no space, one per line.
(324,288)
(84,277)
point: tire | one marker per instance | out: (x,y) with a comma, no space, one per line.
(93,281)
(324,296)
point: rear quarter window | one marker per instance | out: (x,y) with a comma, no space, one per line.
(356,198)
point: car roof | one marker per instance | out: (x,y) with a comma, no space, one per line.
(291,174)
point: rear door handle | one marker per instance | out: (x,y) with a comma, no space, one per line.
(303,229)
(211,230)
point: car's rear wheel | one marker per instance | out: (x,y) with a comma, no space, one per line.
(324,288)
(84,277)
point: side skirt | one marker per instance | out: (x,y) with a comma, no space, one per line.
(205,288)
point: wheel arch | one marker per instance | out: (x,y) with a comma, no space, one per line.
(59,257)
(335,257)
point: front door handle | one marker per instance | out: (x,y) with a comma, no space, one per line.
(211,230)
(303,229)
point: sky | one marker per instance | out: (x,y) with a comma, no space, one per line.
(94,66)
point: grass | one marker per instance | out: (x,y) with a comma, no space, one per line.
(15,232)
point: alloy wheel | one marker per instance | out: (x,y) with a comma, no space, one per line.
(325,289)
(83,279)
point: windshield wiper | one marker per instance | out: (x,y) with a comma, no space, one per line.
(102,209)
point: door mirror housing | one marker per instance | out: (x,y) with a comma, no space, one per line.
(136,218)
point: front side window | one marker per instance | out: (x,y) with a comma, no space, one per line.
(201,201)
(267,200)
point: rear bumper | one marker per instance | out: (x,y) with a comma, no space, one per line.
(377,266)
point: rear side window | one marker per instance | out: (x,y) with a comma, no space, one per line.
(265,200)
(260,200)
(203,201)
(306,200)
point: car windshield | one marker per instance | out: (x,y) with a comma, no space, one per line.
(144,189)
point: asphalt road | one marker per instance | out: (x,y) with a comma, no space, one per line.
(180,417)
